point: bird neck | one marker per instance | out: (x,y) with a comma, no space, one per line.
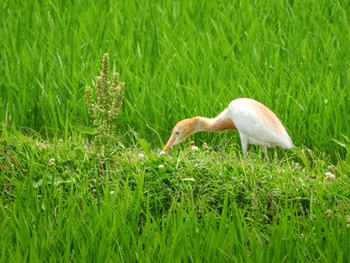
(213,124)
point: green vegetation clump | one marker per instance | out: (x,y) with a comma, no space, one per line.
(105,109)
(59,202)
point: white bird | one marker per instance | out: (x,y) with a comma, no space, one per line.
(255,123)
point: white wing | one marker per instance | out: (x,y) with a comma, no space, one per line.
(258,123)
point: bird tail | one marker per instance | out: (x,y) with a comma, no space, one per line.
(287,143)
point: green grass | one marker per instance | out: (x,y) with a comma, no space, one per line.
(200,206)
(61,201)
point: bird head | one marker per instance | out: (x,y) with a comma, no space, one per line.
(180,132)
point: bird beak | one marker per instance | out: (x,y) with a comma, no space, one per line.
(170,143)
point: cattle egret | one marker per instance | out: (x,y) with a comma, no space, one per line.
(255,123)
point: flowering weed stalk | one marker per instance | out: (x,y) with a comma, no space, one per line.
(104,103)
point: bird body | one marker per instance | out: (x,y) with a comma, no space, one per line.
(255,123)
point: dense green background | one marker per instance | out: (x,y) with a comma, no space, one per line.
(178,59)
(62,200)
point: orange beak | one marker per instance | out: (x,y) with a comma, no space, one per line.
(169,143)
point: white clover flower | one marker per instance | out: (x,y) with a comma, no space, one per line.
(161,166)
(296,165)
(194,148)
(52,162)
(329,212)
(141,156)
(330,176)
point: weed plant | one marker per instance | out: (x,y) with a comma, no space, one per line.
(105,108)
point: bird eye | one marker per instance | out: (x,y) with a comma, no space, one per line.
(177,133)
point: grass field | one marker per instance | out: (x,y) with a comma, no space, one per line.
(60,200)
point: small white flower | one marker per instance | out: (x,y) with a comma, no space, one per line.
(329,212)
(141,156)
(296,166)
(194,148)
(162,153)
(52,162)
(111,192)
(330,176)
(161,166)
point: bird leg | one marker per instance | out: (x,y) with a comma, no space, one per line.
(244,143)
(267,157)
(276,156)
